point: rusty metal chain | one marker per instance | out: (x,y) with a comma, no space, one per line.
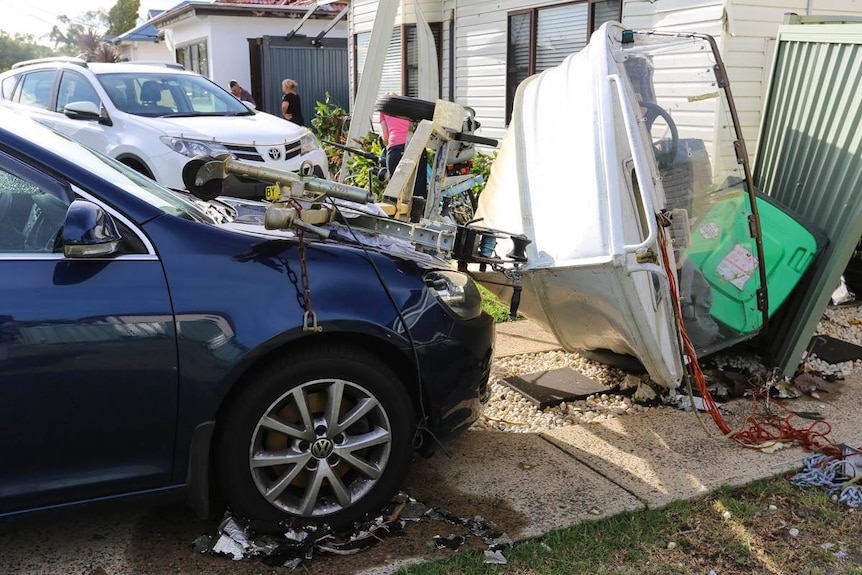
(309,318)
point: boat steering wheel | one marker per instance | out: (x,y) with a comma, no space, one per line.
(664,148)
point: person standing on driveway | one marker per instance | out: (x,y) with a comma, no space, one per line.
(291,107)
(241,93)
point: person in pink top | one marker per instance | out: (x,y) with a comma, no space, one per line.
(396,132)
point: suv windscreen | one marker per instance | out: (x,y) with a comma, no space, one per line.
(172,95)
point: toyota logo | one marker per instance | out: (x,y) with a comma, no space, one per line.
(322,448)
(275,154)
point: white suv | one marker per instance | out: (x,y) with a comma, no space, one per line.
(156,117)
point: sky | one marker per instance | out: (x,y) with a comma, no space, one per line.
(38,17)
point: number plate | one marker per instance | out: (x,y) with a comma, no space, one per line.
(272,192)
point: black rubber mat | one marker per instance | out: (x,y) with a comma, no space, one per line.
(548,388)
(833,350)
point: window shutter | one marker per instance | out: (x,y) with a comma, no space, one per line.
(560,31)
(411,72)
(391,79)
(608,11)
(362,41)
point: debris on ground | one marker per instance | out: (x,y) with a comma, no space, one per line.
(813,384)
(840,474)
(842,294)
(292,544)
(684,403)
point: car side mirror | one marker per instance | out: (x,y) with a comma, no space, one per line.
(87,111)
(249,105)
(89,231)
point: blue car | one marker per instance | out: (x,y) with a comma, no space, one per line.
(152,343)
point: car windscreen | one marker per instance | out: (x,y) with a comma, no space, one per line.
(170,94)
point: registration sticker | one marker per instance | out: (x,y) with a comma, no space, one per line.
(272,192)
(738,266)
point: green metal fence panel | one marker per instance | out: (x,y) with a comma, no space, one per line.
(318,69)
(809,160)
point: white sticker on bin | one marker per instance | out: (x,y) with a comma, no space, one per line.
(737,266)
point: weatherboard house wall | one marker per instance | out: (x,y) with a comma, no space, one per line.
(745,31)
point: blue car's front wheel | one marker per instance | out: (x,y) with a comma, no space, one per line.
(324,436)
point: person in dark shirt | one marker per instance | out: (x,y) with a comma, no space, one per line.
(241,93)
(291,107)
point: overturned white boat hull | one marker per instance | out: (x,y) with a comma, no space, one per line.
(625,167)
(573,164)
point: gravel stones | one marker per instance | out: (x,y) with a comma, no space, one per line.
(509,411)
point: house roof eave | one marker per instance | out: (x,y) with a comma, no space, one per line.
(192,9)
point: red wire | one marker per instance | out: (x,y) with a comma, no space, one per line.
(757,431)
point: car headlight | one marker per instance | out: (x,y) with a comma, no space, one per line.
(456,292)
(192,148)
(308,143)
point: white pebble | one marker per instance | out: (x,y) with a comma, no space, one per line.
(794,532)
(510,412)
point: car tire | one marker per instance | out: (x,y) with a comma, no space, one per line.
(405,107)
(322,468)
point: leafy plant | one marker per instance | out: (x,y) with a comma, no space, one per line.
(332,123)
(361,169)
(482,166)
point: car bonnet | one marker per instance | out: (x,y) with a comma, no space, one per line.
(258,129)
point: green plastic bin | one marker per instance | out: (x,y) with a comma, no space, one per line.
(723,250)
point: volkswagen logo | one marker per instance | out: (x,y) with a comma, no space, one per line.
(322,448)
(275,154)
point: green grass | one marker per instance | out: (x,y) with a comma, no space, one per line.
(493,306)
(733,531)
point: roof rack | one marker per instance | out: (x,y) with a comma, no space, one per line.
(66,59)
(164,63)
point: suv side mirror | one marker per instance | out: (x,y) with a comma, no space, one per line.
(89,231)
(87,111)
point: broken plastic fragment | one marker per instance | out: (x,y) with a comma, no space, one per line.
(495,557)
(227,546)
(453,542)
(232,529)
(413,511)
(500,542)
(295,535)
(202,544)
(684,403)
(442,515)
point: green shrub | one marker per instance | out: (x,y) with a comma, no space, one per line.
(331,122)
(359,168)
(482,166)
